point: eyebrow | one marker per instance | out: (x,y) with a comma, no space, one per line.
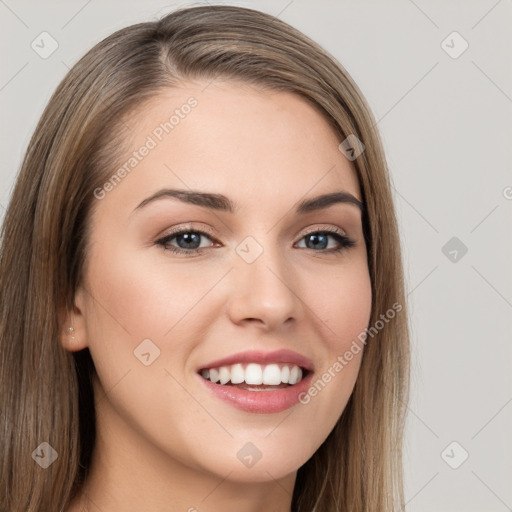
(222,203)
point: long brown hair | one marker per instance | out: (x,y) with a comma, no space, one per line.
(45,391)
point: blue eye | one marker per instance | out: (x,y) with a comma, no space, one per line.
(320,240)
(189,241)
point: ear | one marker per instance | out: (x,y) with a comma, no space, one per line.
(74,339)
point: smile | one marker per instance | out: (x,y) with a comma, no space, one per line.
(258,382)
(255,376)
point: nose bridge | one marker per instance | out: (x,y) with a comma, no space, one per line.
(263,286)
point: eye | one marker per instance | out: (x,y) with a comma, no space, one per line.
(188,241)
(319,240)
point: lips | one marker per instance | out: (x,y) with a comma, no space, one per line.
(258,382)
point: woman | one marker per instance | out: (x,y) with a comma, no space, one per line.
(201,285)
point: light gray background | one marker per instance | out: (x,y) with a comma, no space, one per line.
(447,130)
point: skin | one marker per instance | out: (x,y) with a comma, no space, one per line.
(164,442)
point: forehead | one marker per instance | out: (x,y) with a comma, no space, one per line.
(231,138)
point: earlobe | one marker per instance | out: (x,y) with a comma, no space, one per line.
(71,341)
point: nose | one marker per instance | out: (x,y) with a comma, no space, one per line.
(264,292)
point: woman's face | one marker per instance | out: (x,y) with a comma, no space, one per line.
(248,282)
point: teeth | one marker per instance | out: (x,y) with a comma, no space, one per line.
(295,375)
(285,374)
(272,375)
(237,374)
(214,375)
(224,374)
(254,374)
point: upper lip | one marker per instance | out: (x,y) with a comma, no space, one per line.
(260,357)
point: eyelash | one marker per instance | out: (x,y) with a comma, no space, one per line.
(343,240)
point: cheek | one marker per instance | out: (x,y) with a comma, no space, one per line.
(138,298)
(344,307)
(344,304)
(145,311)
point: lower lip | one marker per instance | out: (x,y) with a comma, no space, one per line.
(262,402)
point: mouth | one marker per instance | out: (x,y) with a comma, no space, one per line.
(256,377)
(258,382)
